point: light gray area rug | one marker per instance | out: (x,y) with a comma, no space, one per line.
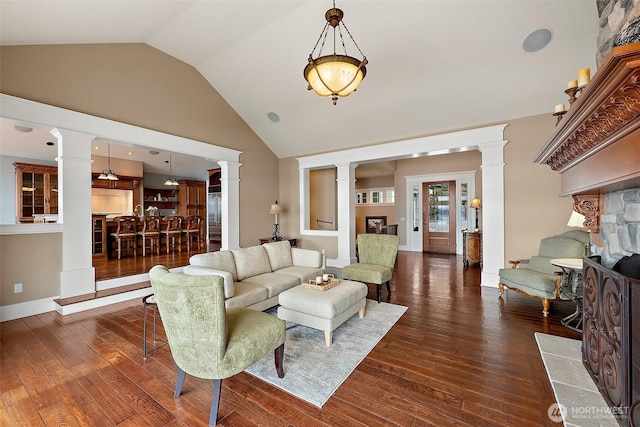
(579,403)
(313,371)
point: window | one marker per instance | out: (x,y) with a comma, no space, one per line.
(376,196)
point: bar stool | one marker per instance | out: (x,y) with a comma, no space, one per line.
(126,233)
(151,232)
(147,301)
(172,231)
(191,230)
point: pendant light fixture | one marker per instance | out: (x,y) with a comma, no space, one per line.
(108,174)
(335,75)
(171,179)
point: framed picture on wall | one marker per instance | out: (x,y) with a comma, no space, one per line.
(374,224)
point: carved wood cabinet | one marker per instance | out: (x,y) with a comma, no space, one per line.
(611,335)
(192,197)
(36,191)
(472,247)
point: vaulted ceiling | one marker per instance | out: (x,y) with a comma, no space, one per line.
(433,66)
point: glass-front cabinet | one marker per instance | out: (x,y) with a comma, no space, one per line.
(36,191)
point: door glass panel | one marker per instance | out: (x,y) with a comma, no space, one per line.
(464,206)
(53,194)
(416,207)
(439,207)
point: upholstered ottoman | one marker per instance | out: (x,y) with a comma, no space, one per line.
(323,310)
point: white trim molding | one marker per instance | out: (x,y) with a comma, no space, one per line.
(488,140)
(75,132)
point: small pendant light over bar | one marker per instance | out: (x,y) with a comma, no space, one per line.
(108,174)
(171,179)
(334,75)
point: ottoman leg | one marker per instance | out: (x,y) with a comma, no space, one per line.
(361,312)
(328,337)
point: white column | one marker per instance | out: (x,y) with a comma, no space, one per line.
(346,214)
(74,182)
(492,212)
(230,183)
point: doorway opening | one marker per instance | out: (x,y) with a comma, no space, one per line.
(439,217)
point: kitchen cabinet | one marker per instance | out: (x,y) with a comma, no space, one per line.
(36,191)
(99,248)
(123,182)
(192,197)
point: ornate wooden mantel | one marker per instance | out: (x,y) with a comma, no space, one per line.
(596,145)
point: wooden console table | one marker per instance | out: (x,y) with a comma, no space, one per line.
(292,242)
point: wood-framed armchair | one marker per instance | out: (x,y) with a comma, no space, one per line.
(537,277)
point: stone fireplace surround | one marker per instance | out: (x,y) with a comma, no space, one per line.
(596,149)
(620,227)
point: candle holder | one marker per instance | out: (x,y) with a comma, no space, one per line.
(572,92)
(559,115)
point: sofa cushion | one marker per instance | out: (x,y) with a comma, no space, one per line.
(220,260)
(246,295)
(561,247)
(530,281)
(194,270)
(273,282)
(251,261)
(279,254)
(306,258)
(542,264)
(304,274)
(368,273)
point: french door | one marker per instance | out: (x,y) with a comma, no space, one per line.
(439,217)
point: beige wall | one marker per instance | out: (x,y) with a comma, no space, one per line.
(533,208)
(137,84)
(33,260)
(322,203)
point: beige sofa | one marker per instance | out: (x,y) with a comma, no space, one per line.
(255,276)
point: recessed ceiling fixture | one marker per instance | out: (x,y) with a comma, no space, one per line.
(335,75)
(537,40)
(108,174)
(24,129)
(170,179)
(274,117)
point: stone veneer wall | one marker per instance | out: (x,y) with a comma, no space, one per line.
(620,225)
(618,19)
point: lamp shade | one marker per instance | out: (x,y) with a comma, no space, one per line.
(576,220)
(335,74)
(276,209)
(476,203)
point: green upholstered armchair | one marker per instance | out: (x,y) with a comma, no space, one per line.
(207,340)
(536,277)
(377,256)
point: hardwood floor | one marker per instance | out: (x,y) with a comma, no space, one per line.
(456,357)
(128,266)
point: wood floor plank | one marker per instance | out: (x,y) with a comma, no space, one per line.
(458,357)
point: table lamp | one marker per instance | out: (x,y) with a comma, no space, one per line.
(476,204)
(275,210)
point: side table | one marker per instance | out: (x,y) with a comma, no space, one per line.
(571,288)
(472,248)
(292,242)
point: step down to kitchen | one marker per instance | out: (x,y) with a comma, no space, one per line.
(102,298)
